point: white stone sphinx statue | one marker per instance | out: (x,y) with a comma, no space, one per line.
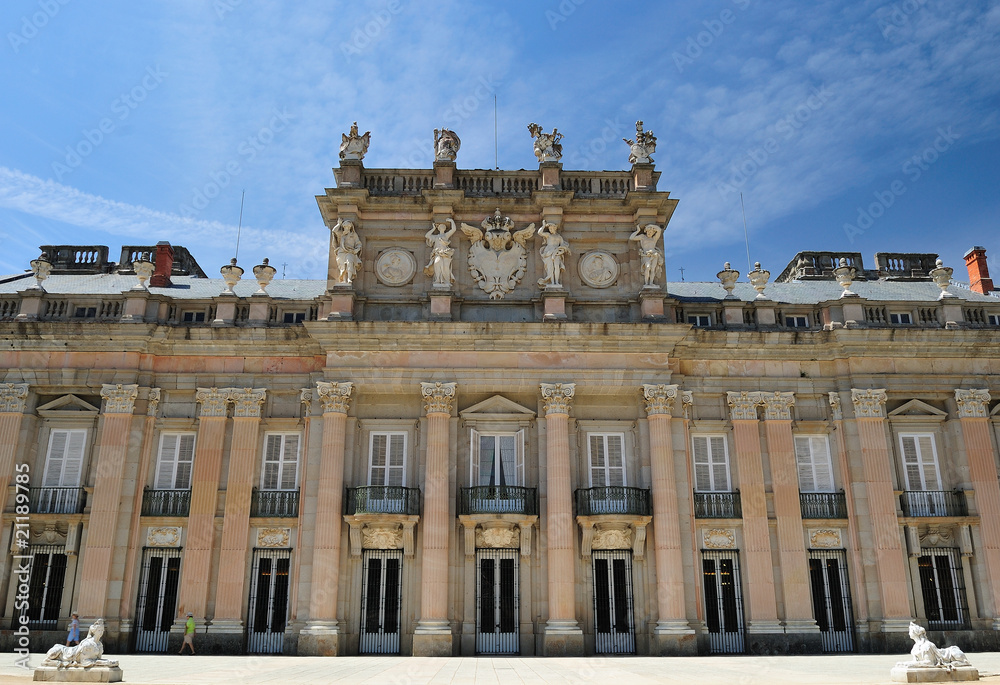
(87,656)
(930,663)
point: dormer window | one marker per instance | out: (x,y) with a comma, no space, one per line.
(700,320)
(796,322)
(904,318)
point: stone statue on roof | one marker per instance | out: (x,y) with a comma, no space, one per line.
(353,146)
(446,145)
(548,147)
(644,145)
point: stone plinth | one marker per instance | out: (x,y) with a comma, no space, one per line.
(555,304)
(341,303)
(320,638)
(925,674)
(94,674)
(441,305)
(673,638)
(431,640)
(651,304)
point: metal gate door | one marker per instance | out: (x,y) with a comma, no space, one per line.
(157,602)
(831,594)
(723,601)
(497,601)
(267,613)
(380,598)
(614,630)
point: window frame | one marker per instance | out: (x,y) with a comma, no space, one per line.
(725,453)
(475,443)
(809,437)
(899,316)
(176,461)
(62,468)
(607,467)
(389,434)
(697,323)
(281,461)
(915,435)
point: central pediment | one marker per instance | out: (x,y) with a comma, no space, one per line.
(497,407)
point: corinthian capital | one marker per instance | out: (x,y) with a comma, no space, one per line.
(213,401)
(335,397)
(557,397)
(659,398)
(743,405)
(778,405)
(12,397)
(835,411)
(119,399)
(247,402)
(153,401)
(869,404)
(973,404)
(438,397)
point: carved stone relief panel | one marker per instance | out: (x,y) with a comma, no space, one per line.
(825,538)
(395,267)
(599,269)
(719,538)
(163,536)
(382,536)
(274,537)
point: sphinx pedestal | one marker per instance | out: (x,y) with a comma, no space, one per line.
(94,674)
(933,674)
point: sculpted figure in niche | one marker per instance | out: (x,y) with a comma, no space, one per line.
(439,266)
(652,258)
(346,251)
(926,654)
(553,252)
(446,145)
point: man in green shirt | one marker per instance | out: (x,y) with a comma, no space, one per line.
(188,634)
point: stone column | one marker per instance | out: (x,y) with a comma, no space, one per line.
(12,399)
(563,636)
(869,414)
(205,474)
(243,455)
(432,635)
(673,635)
(102,530)
(319,637)
(792,555)
(973,414)
(762,610)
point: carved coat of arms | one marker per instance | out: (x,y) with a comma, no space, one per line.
(498,256)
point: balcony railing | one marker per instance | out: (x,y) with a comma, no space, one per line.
(823,505)
(276,503)
(166,502)
(717,505)
(498,499)
(613,499)
(383,499)
(933,503)
(56,500)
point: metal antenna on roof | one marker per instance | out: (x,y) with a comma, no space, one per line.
(746,235)
(239,227)
(496,144)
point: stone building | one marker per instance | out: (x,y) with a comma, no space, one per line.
(494,428)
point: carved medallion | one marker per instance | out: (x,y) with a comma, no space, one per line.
(274,537)
(825,538)
(599,269)
(496,537)
(718,538)
(395,267)
(164,536)
(937,536)
(381,538)
(612,538)
(498,256)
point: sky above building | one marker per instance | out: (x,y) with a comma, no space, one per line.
(860,126)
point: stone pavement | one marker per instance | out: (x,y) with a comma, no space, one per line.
(849,669)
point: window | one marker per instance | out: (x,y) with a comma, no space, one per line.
(387,459)
(294,317)
(194,317)
(497,458)
(995,319)
(900,317)
(711,463)
(85,312)
(281,462)
(607,459)
(942,587)
(812,457)
(48,571)
(700,320)
(173,472)
(64,461)
(796,322)
(920,461)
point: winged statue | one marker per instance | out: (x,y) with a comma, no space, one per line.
(498,255)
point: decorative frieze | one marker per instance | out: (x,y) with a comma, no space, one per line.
(502,535)
(719,538)
(152,401)
(213,401)
(247,402)
(335,397)
(836,413)
(274,537)
(557,397)
(438,397)
(119,399)
(869,404)
(386,536)
(973,404)
(163,536)
(612,538)
(659,398)
(825,538)
(12,397)
(778,405)
(743,405)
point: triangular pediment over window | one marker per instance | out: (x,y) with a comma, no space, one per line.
(68,404)
(916,408)
(497,408)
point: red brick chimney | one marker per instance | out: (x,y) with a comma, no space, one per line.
(164,265)
(979,273)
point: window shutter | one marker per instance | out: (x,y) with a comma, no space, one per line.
(395,460)
(720,464)
(911,463)
(168,462)
(702,468)
(474,458)
(73,462)
(519,474)
(289,461)
(376,473)
(616,459)
(54,461)
(822,464)
(804,464)
(272,463)
(598,462)
(928,462)
(185,462)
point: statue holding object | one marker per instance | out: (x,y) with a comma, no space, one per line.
(644,145)
(353,146)
(439,266)
(652,258)
(346,251)
(548,147)
(553,253)
(446,145)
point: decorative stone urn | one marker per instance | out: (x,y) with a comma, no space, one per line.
(231,274)
(728,278)
(143,270)
(263,272)
(41,267)
(758,279)
(942,277)
(845,276)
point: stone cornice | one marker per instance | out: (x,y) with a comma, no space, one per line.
(659,398)
(335,397)
(247,402)
(438,397)
(743,405)
(119,398)
(869,404)
(557,397)
(12,397)
(973,404)
(777,405)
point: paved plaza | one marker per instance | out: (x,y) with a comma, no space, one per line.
(739,670)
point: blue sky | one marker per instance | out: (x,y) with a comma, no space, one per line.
(864,126)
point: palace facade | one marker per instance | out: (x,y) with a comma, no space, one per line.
(495,429)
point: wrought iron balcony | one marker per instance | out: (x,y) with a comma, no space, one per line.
(276,503)
(823,505)
(933,503)
(382,499)
(717,505)
(56,500)
(166,502)
(613,499)
(498,499)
